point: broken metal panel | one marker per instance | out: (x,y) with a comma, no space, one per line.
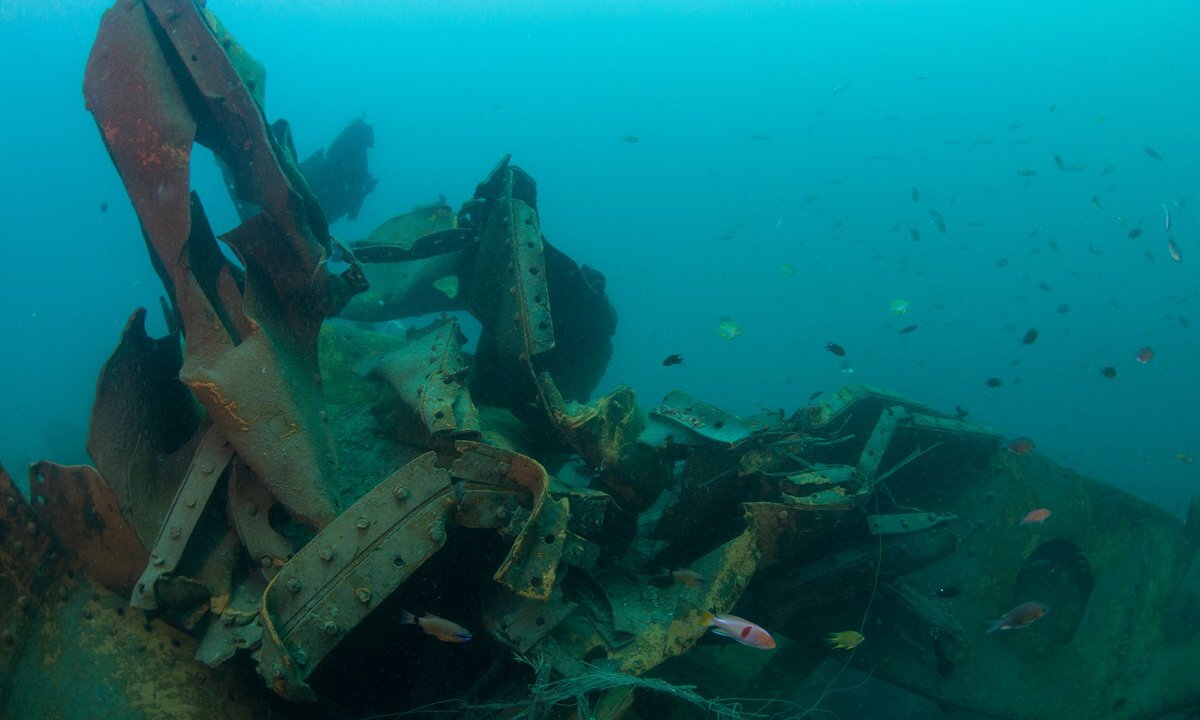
(343,574)
(339,176)
(431,403)
(212,457)
(249,506)
(144,425)
(681,419)
(27,568)
(83,513)
(902,523)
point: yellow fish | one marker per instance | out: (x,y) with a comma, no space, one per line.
(844,640)
(728,329)
(787,270)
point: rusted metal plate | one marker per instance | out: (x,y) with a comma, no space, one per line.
(212,457)
(82,512)
(520,622)
(249,504)
(144,425)
(428,375)
(27,562)
(684,420)
(343,574)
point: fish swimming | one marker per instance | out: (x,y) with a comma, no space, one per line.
(844,640)
(1151,152)
(993,382)
(440,628)
(1021,616)
(1035,516)
(691,578)
(1173,250)
(908,329)
(1145,355)
(673,360)
(1031,336)
(740,629)
(1021,446)
(835,349)
(1108,371)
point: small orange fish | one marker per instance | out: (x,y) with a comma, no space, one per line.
(691,578)
(440,628)
(1021,446)
(1145,355)
(1035,516)
(744,631)
(1021,616)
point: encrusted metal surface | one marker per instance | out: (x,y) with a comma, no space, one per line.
(82,512)
(249,507)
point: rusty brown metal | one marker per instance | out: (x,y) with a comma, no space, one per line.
(212,457)
(83,514)
(432,405)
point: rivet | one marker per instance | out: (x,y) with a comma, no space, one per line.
(401,493)
(159,562)
(782,515)
(363,595)
(300,657)
(501,513)
(362,523)
(294,585)
(331,627)
(266,562)
(437,533)
(176,533)
(206,468)
(326,553)
(24,602)
(190,502)
(502,467)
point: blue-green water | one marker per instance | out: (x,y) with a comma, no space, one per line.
(774,134)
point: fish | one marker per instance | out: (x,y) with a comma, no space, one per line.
(1044,287)
(835,349)
(948,591)
(1145,355)
(1035,516)
(1058,161)
(1108,371)
(1063,309)
(631,139)
(728,329)
(1015,124)
(1173,250)
(104,207)
(842,88)
(440,628)
(786,271)
(844,640)
(1021,446)
(740,629)
(691,578)
(1185,458)
(672,360)
(960,412)
(899,306)
(1151,152)
(1135,233)
(916,194)
(1031,336)
(910,328)
(1166,217)
(1096,202)
(993,382)
(1026,172)
(936,219)
(915,234)
(1108,170)
(1021,616)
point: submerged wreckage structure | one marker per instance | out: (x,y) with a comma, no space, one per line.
(276,481)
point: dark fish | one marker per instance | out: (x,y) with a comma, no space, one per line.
(1002,262)
(908,329)
(948,591)
(916,194)
(631,139)
(1108,371)
(835,349)
(960,412)
(916,236)
(1108,170)
(1096,203)
(1044,287)
(673,360)
(1027,172)
(1135,233)
(1058,161)
(1015,124)
(1151,152)
(104,207)
(1031,336)
(1064,309)
(993,382)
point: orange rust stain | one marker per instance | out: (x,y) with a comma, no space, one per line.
(214,393)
